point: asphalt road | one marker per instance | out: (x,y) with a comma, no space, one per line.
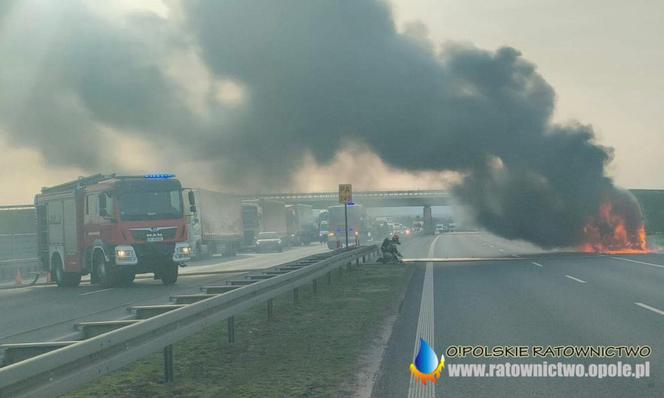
(42,313)
(531,299)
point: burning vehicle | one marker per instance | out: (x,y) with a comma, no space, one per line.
(618,228)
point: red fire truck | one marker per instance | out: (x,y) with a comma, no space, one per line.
(112,227)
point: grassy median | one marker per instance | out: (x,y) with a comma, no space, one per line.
(310,349)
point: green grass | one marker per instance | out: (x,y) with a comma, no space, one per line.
(310,349)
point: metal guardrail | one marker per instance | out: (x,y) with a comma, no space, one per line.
(17,207)
(64,369)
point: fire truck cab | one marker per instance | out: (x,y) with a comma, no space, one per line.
(112,228)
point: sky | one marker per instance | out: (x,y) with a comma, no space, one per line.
(603,58)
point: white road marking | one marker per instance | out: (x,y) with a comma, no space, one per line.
(425,322)
(575,279)
(538,264)
(639,262)
(653,309)
(96,291)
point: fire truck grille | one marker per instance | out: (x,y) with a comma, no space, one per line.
(153,234)
(154,251)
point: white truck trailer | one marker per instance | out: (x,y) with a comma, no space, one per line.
(215,225)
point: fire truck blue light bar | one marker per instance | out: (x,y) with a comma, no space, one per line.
(159,176)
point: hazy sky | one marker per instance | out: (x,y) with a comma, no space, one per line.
(603,58)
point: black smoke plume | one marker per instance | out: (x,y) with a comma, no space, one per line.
(318,75)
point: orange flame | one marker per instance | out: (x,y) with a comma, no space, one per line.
(609,233)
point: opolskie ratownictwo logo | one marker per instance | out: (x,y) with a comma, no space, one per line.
(427,367)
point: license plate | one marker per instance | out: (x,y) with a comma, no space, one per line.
(154,237)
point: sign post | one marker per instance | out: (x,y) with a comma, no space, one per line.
(346,218)
(346,197)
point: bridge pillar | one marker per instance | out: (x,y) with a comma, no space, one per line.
(428,221)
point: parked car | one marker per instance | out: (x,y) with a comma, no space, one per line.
(269,242)
(440,228)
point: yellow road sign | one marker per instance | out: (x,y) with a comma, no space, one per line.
(345,193)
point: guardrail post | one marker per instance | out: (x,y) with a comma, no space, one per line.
(296,295)
(357,261)
(168,364)
(270,310)
(329,278)
(349,266)
(231,329)
(364,259)
(315,285)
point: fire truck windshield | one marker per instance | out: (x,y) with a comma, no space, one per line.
(135,206)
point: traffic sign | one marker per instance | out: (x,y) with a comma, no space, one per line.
(345,193)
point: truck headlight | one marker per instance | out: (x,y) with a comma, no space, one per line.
(182,252)
(125,255)
(124,252)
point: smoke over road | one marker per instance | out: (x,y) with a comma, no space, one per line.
(311,77)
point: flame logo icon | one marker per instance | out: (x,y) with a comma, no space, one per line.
(427,367)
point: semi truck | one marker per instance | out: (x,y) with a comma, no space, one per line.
(263,215)
(216,224)
(112,228)
(300,224)
(357,232)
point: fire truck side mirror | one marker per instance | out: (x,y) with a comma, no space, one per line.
(192,201)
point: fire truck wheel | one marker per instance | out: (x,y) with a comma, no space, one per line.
(169,273)
(62,278)
(105,274)
(126,278)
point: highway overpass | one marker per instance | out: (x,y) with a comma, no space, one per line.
(322,200)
